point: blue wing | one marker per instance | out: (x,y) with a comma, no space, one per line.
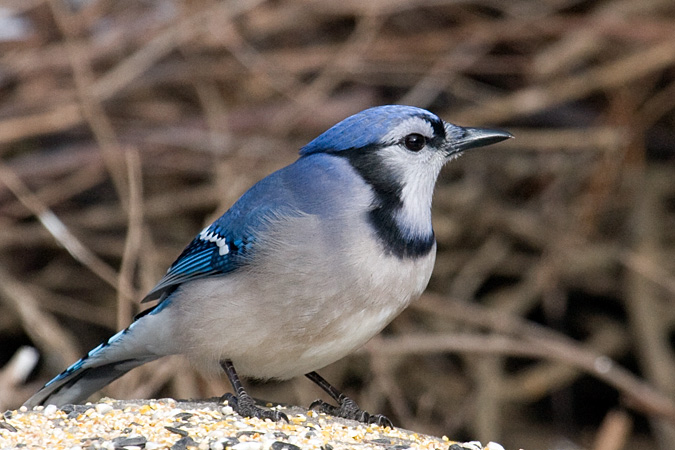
(212,252)
(225,245)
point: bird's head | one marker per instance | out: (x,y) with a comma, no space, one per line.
(399,151)
(407,142)
(411,129)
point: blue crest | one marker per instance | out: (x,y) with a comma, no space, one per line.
(364,128)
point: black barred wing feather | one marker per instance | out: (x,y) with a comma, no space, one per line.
(212,252)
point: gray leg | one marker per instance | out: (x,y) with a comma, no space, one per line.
(243,403)
(347,408)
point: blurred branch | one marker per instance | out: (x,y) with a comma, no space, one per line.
(614,431)
(649,329)
(133,245)
(523,339)
(57,228)
(56,342)
(533,99)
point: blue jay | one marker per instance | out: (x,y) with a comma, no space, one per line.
(306,267)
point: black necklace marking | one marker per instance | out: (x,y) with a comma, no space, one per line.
(387,202)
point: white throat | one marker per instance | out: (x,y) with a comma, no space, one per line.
(418,174)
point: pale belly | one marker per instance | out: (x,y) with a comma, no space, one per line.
(288,318)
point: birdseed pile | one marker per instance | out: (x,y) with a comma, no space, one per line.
(172,424)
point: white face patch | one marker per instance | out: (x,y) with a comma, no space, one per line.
(210,236)
(408,126)
(417,172)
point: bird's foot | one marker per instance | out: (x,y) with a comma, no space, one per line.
(348,409)
(245,406)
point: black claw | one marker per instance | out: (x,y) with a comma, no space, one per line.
(381,420)
(230,399)
(326,408)
(319,405)
(348,409)
(278,415)
(246,407)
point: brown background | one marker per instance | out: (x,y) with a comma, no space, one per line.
(126,126)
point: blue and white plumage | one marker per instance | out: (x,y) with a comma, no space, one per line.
(307,266)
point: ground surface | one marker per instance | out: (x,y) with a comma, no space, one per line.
(205,425)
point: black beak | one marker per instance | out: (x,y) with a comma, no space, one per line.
(479,137)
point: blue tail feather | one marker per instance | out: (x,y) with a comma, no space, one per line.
(98,368)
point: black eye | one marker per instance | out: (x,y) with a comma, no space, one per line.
(415,142)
